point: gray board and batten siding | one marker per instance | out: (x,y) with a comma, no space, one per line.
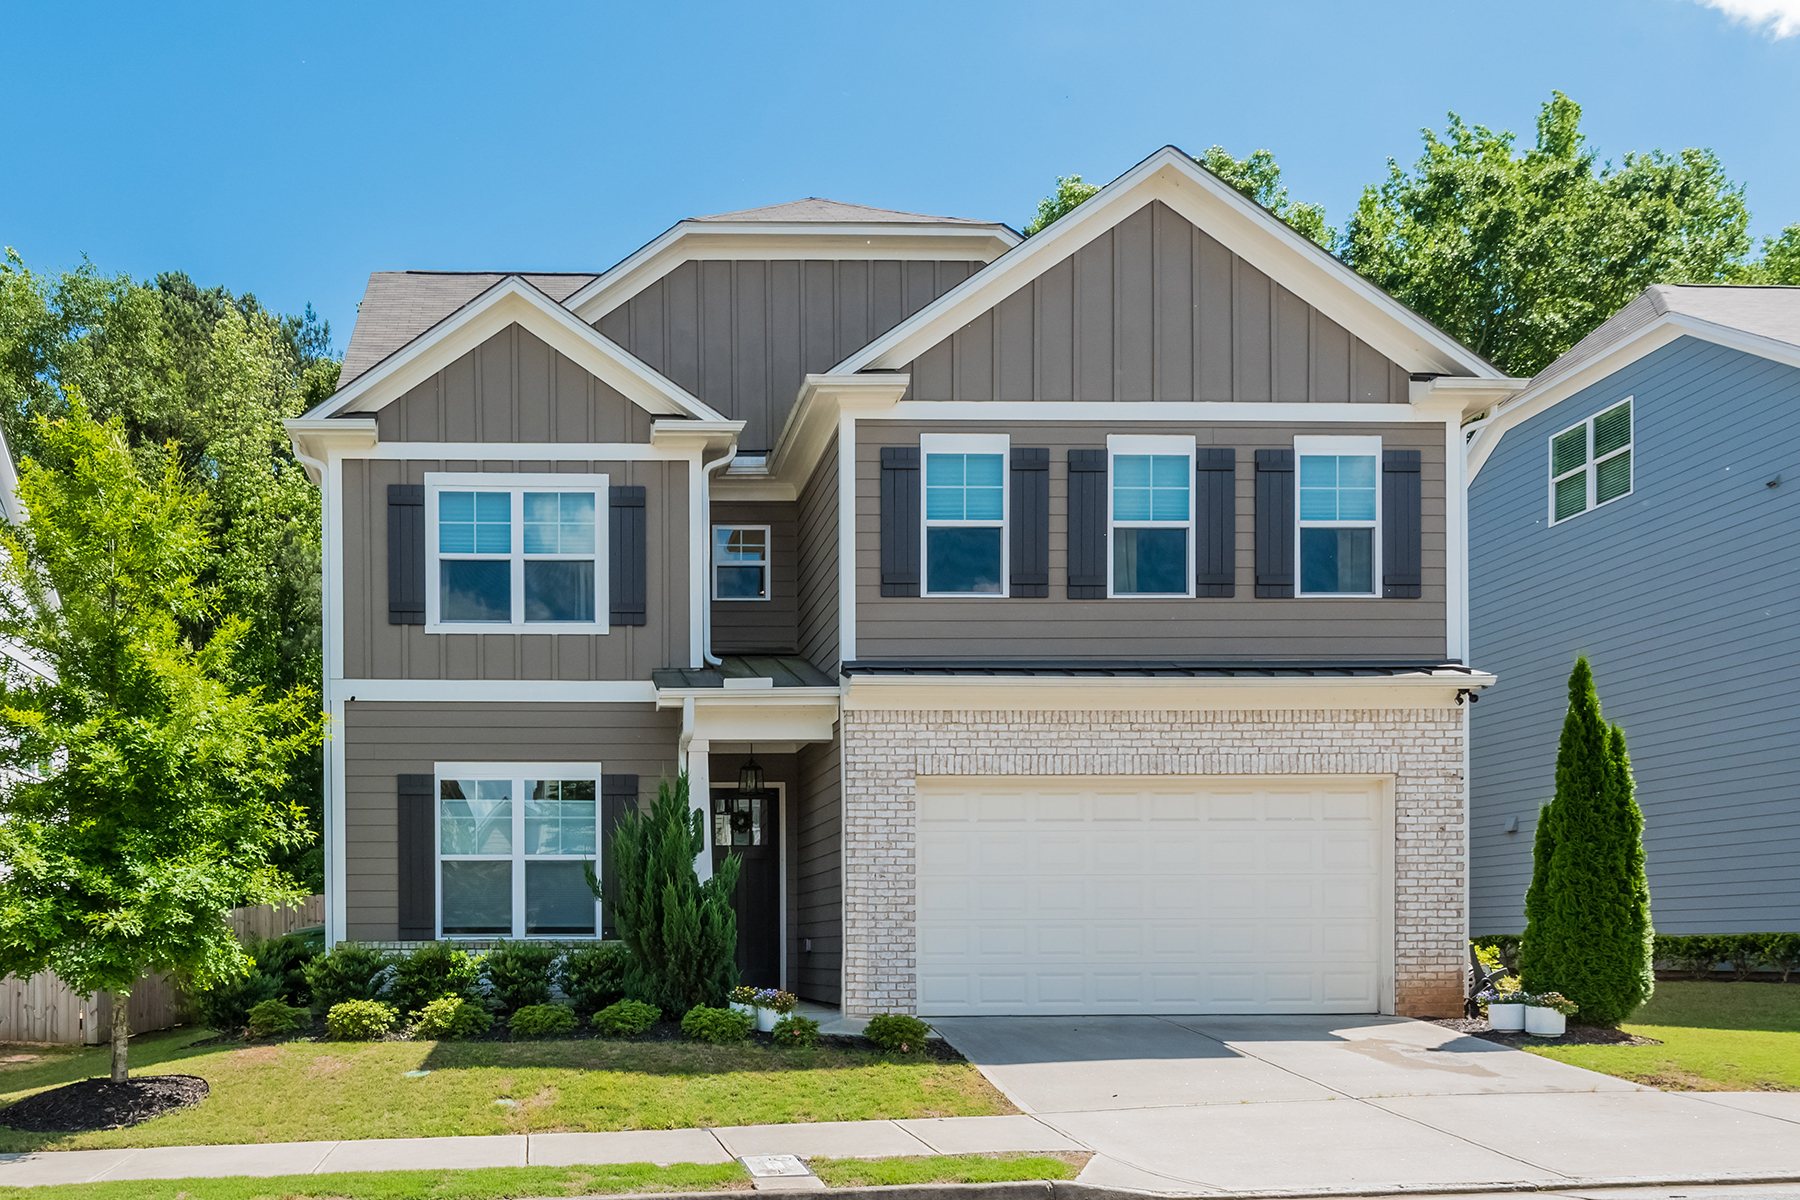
(819,564)
(383,741)
(1155,309)
(815,873)
(1682,595)
(1239,628)
(762,626)
(742,334)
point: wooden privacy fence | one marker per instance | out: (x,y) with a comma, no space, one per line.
(44,1009)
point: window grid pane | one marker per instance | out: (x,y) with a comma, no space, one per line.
(475,816)
(1150,487)
(739,545)
(1568,450)
(1337,487)
(474,523)
(559,817)
(1612,478)
(964,487)
(1571,495)
(1612,429)
(559,522)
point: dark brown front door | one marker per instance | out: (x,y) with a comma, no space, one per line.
(750,827)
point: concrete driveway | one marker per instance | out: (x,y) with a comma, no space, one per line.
(1255,1103)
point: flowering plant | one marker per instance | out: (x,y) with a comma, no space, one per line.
(782,1002)
(1555,1001)
(743,995)
(1496,996)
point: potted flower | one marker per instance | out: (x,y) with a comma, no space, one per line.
(772,1004)
(1505,1010)
(743,1000)
(1548,1015)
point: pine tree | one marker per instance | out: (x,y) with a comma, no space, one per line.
(1587,912)
(682,932)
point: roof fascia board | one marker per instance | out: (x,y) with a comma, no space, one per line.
(1659,333)
(786,241)
(1226,215)
(1115,693)
(694,435)
(511,300)
(813,421)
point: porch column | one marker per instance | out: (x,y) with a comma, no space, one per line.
(699,772)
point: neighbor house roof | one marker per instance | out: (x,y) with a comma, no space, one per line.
(820,210)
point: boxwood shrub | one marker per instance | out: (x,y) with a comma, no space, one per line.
(450,1017)
(719,1026)
(897,1033)
(360,1020)
(542,1020)
(626,1018)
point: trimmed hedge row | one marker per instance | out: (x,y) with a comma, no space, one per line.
(1699,954)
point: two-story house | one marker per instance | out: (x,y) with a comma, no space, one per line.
(1639,503)
(1071,624)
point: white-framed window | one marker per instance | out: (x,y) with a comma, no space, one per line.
(513,840)
(740,562)
(516,552)
(1150,515)
(1590,463)
(965,508)
(1337,542)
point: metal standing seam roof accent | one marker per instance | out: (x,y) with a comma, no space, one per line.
(1163,670)
(785,670)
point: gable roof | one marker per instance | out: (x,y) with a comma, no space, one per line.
(1762,320)
(820,210)
(513,299)
(398,306)
(1227,215)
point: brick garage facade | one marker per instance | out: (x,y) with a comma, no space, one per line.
(886,750)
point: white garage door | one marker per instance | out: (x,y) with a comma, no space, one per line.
(1174,895)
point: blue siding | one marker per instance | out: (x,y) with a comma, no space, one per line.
(1685,596)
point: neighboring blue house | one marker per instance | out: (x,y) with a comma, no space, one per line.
(1639,503)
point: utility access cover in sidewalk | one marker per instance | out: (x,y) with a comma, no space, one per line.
(781,1173)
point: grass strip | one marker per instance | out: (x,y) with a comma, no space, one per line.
(487,1183)
(946,1168)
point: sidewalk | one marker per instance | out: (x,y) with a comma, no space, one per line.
(833,1139)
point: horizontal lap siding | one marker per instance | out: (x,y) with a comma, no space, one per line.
(383,740)
(816,871)
(1241,627)
(1682,596)
(742,334)
(1155,309)
(762,626)
(818,599)
(374,649)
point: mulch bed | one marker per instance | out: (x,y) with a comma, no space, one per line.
(1575,1035)
(102,1104)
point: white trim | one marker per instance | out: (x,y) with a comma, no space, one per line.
(1590,462)
(514,300)
(515,486)
(786,240)
(1651,338)
(568,452)
(846,547)
(1358,447)
(496,691)
(517,774)
(1165,445)
(767,563)
(964,443)
(1256,235)
(1124,694)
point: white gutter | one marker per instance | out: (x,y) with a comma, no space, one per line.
(706,607)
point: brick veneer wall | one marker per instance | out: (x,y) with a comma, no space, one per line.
(884,751)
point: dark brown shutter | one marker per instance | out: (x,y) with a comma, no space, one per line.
(416,828)
(1274,524)
(1087,524)
(618,796)
(626,554)
(406,554)
(899,520)
(1215,521)
(1030,519)
(1402,575)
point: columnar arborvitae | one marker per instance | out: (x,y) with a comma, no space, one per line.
(682,932)
(1587,913)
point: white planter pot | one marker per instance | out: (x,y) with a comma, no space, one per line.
(749,1010)
(766,1018)
(1507,1018)
(1545,1022)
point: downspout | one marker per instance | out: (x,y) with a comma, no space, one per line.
(706,606)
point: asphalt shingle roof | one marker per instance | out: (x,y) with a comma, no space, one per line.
(819,210)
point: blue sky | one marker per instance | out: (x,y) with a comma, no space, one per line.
(290,150)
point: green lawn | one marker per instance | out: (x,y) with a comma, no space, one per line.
(1717,1037)
(305,1091)
(493,1183)
(946,1168)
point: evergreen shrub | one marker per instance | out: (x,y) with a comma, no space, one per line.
(897,1033)
(626,1018)
(272,1018)
(519,973)
(720,1026)
(360,1020)
(795,1030)
(542,1020)
(592,976)
(434,970)
(450,1017)
(348,971)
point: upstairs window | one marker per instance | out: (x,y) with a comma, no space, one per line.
(1339,513)
(515,551)
(965,514)
(1590,463)
(1151,515)
(740,562)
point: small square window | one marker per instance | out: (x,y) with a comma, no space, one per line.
(1590,463)
(741,562)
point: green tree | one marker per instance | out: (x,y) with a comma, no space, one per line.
(1069,194)
(1780,261)
(1259,177)
(682,932)
(142,780)
(1519,256)
(215,374)
(1587,911)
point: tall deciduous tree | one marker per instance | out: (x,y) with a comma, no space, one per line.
(1587,911)
(1519,256)
(143,779)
